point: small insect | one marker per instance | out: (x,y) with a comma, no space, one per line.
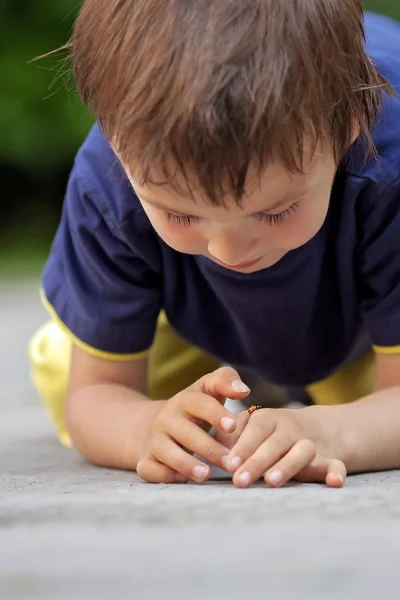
(253,408)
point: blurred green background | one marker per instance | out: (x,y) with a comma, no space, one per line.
(42,124)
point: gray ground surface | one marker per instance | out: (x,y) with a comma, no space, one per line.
(68,530)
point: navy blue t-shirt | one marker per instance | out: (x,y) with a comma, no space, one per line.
(109,274)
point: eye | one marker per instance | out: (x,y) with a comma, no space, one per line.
(278,218)
(181,220)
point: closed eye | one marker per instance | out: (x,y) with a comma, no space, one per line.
(181,220)
(278,218)
(270,219)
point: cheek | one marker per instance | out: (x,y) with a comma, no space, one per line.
(311,221)
(182,239)
(300,229)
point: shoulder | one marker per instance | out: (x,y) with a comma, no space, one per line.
(101,205)
(383,41)
(383,46)
(98,174)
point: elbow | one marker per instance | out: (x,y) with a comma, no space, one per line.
(77,428)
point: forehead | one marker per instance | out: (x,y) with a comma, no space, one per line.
(274,187)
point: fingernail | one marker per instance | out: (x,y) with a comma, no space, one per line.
(276,477)
(228,423)
(235,462)
(224,462)
(181,478)
(239,386)
(200,473)
(340,479)
(244,478)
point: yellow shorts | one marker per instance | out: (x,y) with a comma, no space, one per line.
(173,365)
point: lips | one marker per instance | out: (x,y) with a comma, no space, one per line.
(242,266)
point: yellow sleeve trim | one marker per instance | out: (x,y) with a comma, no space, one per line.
(387,349)
(83,345)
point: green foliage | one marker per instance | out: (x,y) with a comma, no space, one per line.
(41,123)
(388,7)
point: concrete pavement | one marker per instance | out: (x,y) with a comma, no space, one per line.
(70,530)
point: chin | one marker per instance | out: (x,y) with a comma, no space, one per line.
(268,262)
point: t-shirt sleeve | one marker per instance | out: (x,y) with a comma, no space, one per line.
(100,280)
(380,267)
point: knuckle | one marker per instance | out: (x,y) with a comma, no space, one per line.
(156,445)
(161,420)
(227,372)
(210,452)
(212,412)
(307,446)
(208,410)
(181,403)
(257,425)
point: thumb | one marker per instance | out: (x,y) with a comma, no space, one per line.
(221,384)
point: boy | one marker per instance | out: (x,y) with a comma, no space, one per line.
(243,187)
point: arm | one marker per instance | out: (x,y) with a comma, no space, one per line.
(112,422)
(371,426)
(108,413)
(369,429)
(321,443)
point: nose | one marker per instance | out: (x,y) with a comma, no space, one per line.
(231,249)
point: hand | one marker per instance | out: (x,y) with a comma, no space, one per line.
(282,444)
(177,430)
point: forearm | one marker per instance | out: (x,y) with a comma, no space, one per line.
(366,432)
(109,424)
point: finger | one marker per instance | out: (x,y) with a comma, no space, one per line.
(154,472)
(230,439)
(297,459)
(221,384)
(336,474)
(266,455)
(167,452)
(324,470)
(196,440)
(257,431)
(202,407)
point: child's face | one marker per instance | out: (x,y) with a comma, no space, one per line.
(281,213)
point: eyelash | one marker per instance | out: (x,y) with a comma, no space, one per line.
(183,221)
(277,219)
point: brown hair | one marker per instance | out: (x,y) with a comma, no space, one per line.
(208,87)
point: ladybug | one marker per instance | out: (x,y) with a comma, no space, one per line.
(253,408)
